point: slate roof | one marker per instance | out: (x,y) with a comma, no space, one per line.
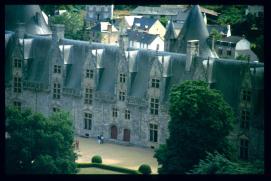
(233,39)
(170,32)
(168,11)
(194,28)
(141,37)
(26,14)
(144,23)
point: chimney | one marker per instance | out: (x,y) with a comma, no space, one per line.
(109,28)
(58,31)
(205,18)
(192,50)
(228,30)
(20,31)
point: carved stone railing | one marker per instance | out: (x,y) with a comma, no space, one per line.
(71,92)
(137,101)
(104,97)
(34,86)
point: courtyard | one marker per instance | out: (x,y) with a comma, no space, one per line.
(119,155)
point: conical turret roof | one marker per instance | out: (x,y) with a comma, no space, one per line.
(170,32)
(194,28)
(30,15)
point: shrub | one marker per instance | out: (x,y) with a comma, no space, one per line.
(96,159)
(145,169)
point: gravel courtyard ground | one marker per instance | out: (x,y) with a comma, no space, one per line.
(113,154)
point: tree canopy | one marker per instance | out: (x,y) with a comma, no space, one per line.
(39,145)
(200,121)
(216,163)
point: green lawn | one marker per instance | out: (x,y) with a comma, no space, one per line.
(93,170)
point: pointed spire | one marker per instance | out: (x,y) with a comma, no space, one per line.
(170,32)
(195,28)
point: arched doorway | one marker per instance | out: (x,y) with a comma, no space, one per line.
(114,132)
(126,135)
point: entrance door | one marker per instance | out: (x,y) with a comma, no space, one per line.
(126,135)
(114,132)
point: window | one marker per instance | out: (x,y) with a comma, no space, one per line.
(17,105)
(56,92)
(115,112)
(122,78)
(56,109)
(155,83)
(127,114)
(88,96)
(17,84)
(89,73)
(245,119)
(88,121)
(17,63)
(246,95)
(153,132)
(244,149)
(229,52)
(57,69)
(122,96)
(154,106)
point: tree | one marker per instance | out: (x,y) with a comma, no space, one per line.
(216,163)
(200,121)
(38,144)
(163,21)
(73,22)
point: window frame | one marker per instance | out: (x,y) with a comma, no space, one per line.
(17,84)
(57,69)
(153,131)
(17,104)
(245,117)
(154,106)
(246,95)
(114,112)
(89,73)
(122,78)
(56,90)
(122,95)
(244,149)
(88,99)
(155,83)
(87,121)
(18,63)
(127,114)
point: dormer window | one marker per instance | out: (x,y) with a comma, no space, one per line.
(89,73)
(155,83)
(17,63)
(246,95)
(57,69)
(122,78)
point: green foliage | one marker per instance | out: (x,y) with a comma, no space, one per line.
(242,57)
(218,164)
(38,144)
(216,34)
(232,14)
(96,159)
(73,22)
(108,167)
(145,169)
(163,21)
(200,122)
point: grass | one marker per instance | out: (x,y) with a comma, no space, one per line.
(93,170)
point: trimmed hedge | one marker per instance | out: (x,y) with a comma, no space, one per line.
(108,167)
(145,169)
(96,159)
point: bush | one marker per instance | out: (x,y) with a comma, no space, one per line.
(145,169)
(96,159)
